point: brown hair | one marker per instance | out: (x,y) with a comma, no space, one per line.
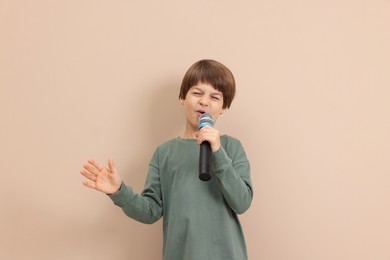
(210,72)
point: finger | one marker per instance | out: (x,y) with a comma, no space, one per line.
(210,130)
(111,165)
(88,175)
(89,185)
(207,128)
(96,165)
(209,137)
(89,168)
(201,139)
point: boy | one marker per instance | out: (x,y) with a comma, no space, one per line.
(200,219)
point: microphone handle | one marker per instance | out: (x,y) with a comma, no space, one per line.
(205,161)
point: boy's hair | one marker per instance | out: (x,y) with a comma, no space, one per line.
(210,72)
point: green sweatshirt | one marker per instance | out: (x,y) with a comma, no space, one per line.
(200,218)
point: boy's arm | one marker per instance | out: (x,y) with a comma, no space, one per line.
(233,176)
(145,207)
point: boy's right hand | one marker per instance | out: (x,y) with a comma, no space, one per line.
(106,180)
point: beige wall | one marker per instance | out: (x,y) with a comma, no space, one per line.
(94,79)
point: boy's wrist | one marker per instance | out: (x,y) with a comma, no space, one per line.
(220,160)
(120,187)
(215,148)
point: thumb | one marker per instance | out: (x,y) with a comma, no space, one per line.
(111,166)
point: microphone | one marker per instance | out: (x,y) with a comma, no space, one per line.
(205,149)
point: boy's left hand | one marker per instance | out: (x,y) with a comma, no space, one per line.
(211,135)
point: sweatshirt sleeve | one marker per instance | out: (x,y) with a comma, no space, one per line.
(232,171)
(147,206)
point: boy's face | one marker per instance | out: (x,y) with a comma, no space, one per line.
(202,98)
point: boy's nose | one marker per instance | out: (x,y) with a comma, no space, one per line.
(203,101)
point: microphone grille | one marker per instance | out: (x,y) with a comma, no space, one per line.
(205,119)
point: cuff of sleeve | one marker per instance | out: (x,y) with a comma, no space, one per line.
(121,196)
(220,160)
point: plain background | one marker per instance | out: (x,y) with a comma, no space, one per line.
(99,79)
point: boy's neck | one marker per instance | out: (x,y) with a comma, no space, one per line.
(189,133)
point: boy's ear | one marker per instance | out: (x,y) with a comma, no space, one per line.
(181,101)
(224,111)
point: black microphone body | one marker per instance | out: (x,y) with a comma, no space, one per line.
(205,150)
(205,161)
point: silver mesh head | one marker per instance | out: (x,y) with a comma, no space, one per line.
(205,119)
